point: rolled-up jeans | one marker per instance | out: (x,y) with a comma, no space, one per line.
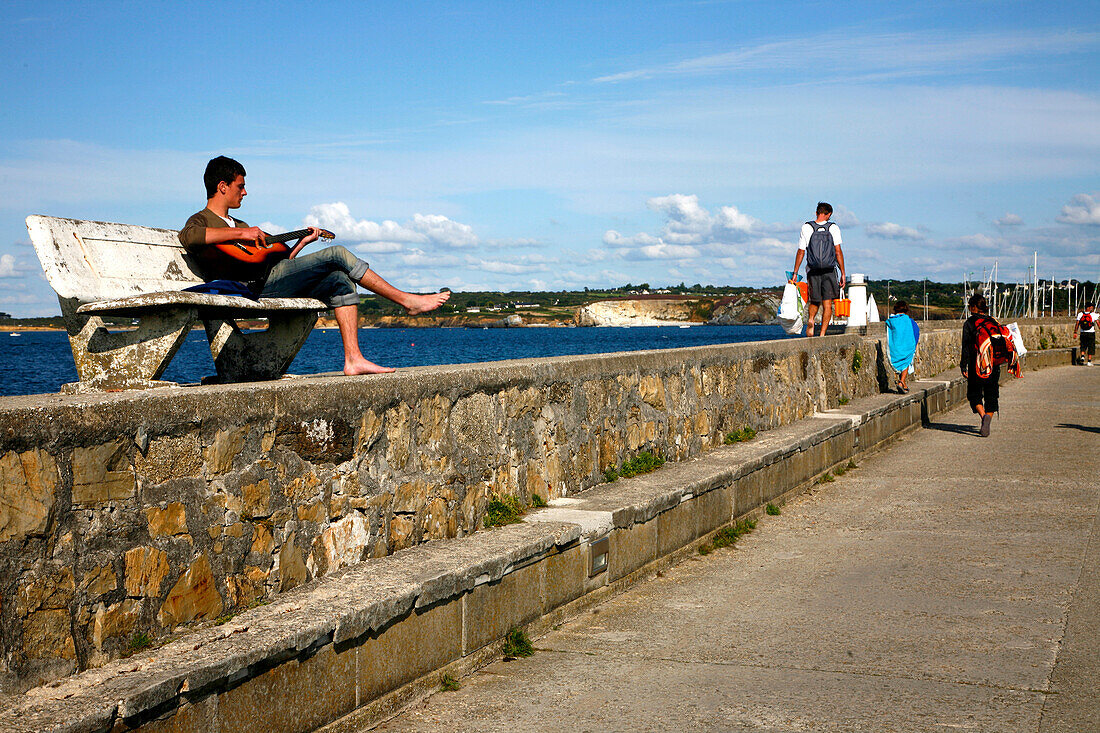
(330,275)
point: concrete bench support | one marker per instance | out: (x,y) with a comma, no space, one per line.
(126,359)
(248,357)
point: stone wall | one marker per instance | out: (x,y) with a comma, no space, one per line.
(126,518)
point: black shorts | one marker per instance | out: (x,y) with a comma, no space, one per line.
(1088,343)
(985,392)
(823,286)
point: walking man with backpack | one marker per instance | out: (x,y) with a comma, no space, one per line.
(819,242)
(981,360)
(1086,325)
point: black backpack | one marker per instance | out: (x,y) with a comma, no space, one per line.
(821,251)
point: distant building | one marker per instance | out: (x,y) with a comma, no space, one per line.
(473,310)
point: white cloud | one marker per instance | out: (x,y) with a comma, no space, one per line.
(874,56)
(1082,209)
(1010,220)
(613,239)
(272,228)
(7,266)
(668,252)
(844,217)
(378,248)
(889,230)
(422,229)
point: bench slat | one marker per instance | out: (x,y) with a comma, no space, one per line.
(203,301)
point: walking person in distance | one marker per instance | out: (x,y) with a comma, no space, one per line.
(983,392)
(1086,325)
(819,242)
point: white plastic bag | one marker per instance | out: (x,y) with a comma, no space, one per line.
(1017,339)
(790,309)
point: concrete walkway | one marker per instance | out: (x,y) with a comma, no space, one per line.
(950,583)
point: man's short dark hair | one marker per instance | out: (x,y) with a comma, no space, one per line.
(901,307)
(823,208)
(977,302)
(221,169)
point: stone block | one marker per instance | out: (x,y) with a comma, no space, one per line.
(401,533)
(169,458)
(398,436)
(146,568)
(632,548)
(29,480)
(411,496)
(652,392)
(493,609)
(256,499)
(116,620)
(676,527)
(47,590)
(193,597)
(101,474)
(422,641)
(565,576)
(171,520)
(99,580)
(297,695)
(47,634)
(342,543)
(263,542)
(292,566)
(439,523)
(226,446)
(246,587)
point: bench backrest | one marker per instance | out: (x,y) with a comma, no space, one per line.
(91,261)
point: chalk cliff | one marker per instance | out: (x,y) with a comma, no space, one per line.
(649,312)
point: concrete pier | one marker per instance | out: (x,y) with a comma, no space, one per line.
(949,583)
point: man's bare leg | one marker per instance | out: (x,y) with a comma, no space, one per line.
(826,316)
(347,319)
(811,313)
(413,303)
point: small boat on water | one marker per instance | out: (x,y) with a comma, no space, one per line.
(13,333)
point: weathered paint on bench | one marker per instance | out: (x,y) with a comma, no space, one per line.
(103,269)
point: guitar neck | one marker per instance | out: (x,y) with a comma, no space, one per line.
(280,238)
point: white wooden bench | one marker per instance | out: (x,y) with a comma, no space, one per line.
(100,269)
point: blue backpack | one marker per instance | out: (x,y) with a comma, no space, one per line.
(821,251)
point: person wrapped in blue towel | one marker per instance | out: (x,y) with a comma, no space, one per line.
(902,335)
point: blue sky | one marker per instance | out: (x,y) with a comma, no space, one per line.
(515,145)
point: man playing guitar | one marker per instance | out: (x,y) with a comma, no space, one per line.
(331,274)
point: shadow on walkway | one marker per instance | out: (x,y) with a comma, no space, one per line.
(952,428)
(1075,426)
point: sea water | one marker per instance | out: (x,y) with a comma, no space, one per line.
(39,362)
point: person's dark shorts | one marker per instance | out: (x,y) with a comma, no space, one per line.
(1088,343)
(985,392)
(823,286)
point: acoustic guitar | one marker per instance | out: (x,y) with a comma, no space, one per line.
(255,254)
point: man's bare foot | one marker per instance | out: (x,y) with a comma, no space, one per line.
(416,303)
(362,366)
